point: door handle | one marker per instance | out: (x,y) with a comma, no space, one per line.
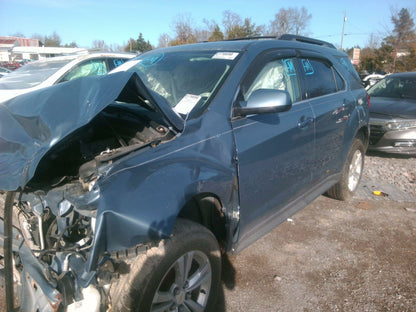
(303,123)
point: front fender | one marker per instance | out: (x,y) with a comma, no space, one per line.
(140,204)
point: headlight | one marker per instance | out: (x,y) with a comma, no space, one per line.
(401,125)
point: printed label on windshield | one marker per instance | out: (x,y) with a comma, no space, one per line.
(225,55)
(187,103)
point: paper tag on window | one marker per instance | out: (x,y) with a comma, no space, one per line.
(187,103)
(225,55)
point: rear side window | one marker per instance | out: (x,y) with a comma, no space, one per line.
(96,67)
(318,78)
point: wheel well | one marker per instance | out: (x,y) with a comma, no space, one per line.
(206,209)
(363,135)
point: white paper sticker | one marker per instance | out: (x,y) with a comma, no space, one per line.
(225,55)
(187,103)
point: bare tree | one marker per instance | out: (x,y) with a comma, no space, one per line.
(53,40)
(373,41)
(230,21)
(164,40)
(99,45)
(184,29)
(290,21)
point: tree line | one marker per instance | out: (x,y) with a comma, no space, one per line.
(396,51)
(185,30)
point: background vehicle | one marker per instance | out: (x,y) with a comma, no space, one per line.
(372,79)
(134,186)
(4,71)
(393,114)
(45,73)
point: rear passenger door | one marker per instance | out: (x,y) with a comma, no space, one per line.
(324,88)
(275,151)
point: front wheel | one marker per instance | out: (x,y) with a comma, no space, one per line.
(181,274)
(351,173)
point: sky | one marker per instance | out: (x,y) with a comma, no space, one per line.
(84,21)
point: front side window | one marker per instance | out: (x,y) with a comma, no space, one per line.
(318,78)
(95,67)
(278,75)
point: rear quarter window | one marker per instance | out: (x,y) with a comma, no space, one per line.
(354,78)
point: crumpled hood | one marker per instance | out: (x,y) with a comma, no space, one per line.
(32,123)
(402,108)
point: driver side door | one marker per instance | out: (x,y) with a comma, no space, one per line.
(275,151)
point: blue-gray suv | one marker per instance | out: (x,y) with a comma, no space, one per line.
(124,190)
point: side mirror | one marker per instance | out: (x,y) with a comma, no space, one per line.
(265,101)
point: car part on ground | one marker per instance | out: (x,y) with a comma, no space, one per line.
(393,114)
(129,185)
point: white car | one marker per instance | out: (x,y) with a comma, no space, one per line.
(45,73)
(4,71)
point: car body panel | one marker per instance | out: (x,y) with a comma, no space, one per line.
(393,108)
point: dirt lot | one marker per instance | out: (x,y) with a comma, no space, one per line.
(332,256)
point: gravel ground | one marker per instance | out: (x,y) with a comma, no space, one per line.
(399,171)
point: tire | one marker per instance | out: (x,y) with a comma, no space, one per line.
(351,173)
(183,271)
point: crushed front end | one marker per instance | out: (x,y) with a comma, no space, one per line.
(53,214)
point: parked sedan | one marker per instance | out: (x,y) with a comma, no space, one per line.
(45,73)
(393,114)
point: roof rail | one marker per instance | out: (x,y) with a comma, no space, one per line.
(306,40)
(252,38)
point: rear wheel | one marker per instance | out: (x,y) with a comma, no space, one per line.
(351,173)
(181,274)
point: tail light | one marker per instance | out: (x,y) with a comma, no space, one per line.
(368,100)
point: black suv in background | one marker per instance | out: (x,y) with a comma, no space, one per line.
(125,189)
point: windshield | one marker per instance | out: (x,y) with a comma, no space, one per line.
(185,79)
(31,74)
(395,87)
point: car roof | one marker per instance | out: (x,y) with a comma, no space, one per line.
(85,56)
(256,44)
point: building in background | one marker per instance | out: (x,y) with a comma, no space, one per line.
(20,50)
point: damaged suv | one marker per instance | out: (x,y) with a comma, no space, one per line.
(124,190)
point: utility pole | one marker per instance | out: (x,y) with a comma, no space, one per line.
(343,28)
